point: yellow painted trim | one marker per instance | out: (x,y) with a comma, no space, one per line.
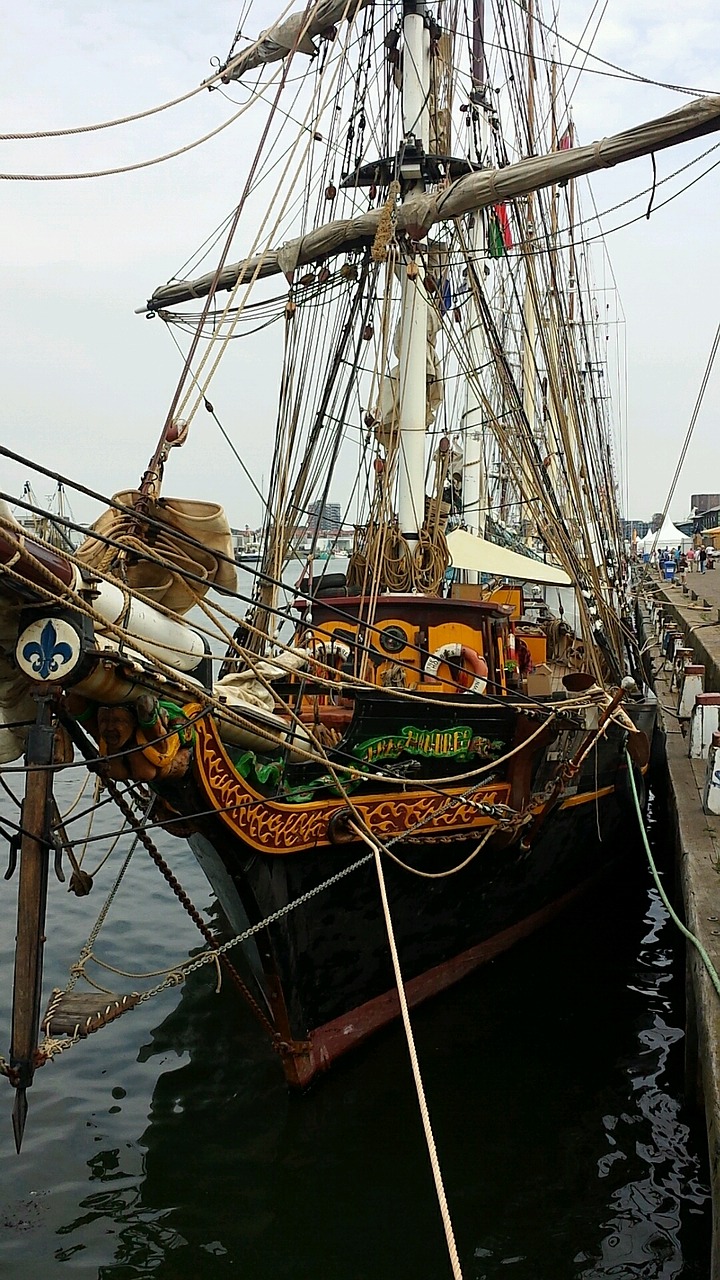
(586,796)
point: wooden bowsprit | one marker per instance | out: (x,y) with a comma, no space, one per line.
(32,900)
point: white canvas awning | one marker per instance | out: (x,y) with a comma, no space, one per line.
(467,551)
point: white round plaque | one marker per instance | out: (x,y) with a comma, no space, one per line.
(48,650)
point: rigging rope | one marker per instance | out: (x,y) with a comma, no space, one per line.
(110,124)
(691,427)
(139,164)
(632,75)
(150,111)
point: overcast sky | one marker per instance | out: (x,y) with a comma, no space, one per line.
(86,382)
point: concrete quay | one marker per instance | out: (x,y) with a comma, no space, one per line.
(693,608)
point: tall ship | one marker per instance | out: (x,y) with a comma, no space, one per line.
(424,750)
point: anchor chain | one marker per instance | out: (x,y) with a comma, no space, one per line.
(189,906)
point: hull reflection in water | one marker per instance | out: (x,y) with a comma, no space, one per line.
(554,1079)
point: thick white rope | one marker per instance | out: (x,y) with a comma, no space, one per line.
(429,1138)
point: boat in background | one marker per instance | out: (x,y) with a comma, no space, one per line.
(53,522)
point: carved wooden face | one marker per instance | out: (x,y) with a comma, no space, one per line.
(116,726)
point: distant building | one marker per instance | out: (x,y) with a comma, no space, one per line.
(699,522)
(702,502)
(246,542)
(639,526)
(324,518)
(704,514)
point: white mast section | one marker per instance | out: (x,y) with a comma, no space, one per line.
(474,491)
(412,378)
(475,487)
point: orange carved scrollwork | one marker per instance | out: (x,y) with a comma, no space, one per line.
(273,827)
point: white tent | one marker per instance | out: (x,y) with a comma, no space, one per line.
(667,538)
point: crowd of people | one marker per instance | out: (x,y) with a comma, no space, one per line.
(694,559)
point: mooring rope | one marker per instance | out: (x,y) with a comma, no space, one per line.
(687,933)
(429,1136)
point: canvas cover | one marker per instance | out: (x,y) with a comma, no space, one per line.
(194,542)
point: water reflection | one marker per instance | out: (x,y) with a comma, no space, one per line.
(644,1232)
(554,1080)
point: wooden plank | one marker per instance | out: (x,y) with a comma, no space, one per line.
(32,898)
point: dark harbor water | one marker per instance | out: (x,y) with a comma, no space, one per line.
(167,1145)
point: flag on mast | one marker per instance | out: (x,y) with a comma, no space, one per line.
(499,231)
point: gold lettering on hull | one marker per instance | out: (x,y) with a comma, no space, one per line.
(273,827)
(458,743)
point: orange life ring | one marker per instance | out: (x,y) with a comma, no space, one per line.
(477,665)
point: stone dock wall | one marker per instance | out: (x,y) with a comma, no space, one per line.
(693,608)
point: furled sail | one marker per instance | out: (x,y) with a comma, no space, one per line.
(390,384)
(194,542)
(296,32)
(476,190)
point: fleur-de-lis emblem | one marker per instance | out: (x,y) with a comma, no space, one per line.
(46,656)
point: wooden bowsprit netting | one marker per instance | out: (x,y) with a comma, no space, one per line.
(95,762)
(71,1015)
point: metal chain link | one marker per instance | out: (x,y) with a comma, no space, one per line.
(184,970)
(52,1046)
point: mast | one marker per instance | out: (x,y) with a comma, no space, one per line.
(32,900)
(412,380)
(474,477)
(530,324)
(572,282)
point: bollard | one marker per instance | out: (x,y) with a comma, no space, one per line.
(692,684)
(711,794)
(705,721)
(668,641)
(682,656)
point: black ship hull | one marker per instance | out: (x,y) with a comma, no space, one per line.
(324,969)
